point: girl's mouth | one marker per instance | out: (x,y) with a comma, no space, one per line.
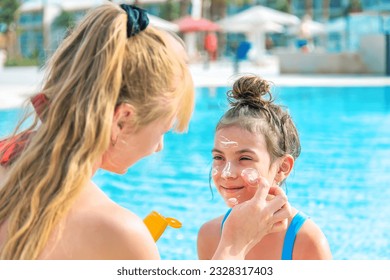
(231,189)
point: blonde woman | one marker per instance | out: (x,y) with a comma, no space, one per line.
(112,90)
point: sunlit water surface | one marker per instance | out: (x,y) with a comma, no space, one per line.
(341,179)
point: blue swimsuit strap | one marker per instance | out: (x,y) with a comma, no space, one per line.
(291,234)
(289,240)
(225,217)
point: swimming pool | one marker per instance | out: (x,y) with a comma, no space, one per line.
(341,179)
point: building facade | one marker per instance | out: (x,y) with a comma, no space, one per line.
(38,34)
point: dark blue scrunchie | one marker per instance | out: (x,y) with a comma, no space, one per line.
(137,19)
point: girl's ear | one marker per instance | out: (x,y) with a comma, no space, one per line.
(286,164)
(122,119)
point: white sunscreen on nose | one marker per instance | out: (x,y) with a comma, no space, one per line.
(226,171)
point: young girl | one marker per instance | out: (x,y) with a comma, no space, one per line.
(256,139)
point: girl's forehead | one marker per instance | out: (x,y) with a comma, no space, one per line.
(236,137)
(231,130)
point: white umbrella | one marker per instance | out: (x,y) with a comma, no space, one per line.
(257,15)
(256,22)
(267,27)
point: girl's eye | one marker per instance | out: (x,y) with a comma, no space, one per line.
(216,157)
(245,158)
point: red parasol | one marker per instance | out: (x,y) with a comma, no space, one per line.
(190,24)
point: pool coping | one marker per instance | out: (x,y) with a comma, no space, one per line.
(17,83)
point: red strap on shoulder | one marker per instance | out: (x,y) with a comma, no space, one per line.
(7,151)
(11,148)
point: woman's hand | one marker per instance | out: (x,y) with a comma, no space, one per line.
(251,220)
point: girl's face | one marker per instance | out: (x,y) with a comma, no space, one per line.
(237,151)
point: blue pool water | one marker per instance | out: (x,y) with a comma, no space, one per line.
(342,178)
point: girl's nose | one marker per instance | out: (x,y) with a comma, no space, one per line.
(228,171)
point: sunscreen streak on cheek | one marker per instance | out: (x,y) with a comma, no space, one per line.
(251,174)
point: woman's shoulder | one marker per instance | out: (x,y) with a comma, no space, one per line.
(103,230)
(121,234)
(311,243)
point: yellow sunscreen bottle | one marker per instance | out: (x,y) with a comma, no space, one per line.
(157,223)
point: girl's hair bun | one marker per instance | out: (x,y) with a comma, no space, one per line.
(250,91)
